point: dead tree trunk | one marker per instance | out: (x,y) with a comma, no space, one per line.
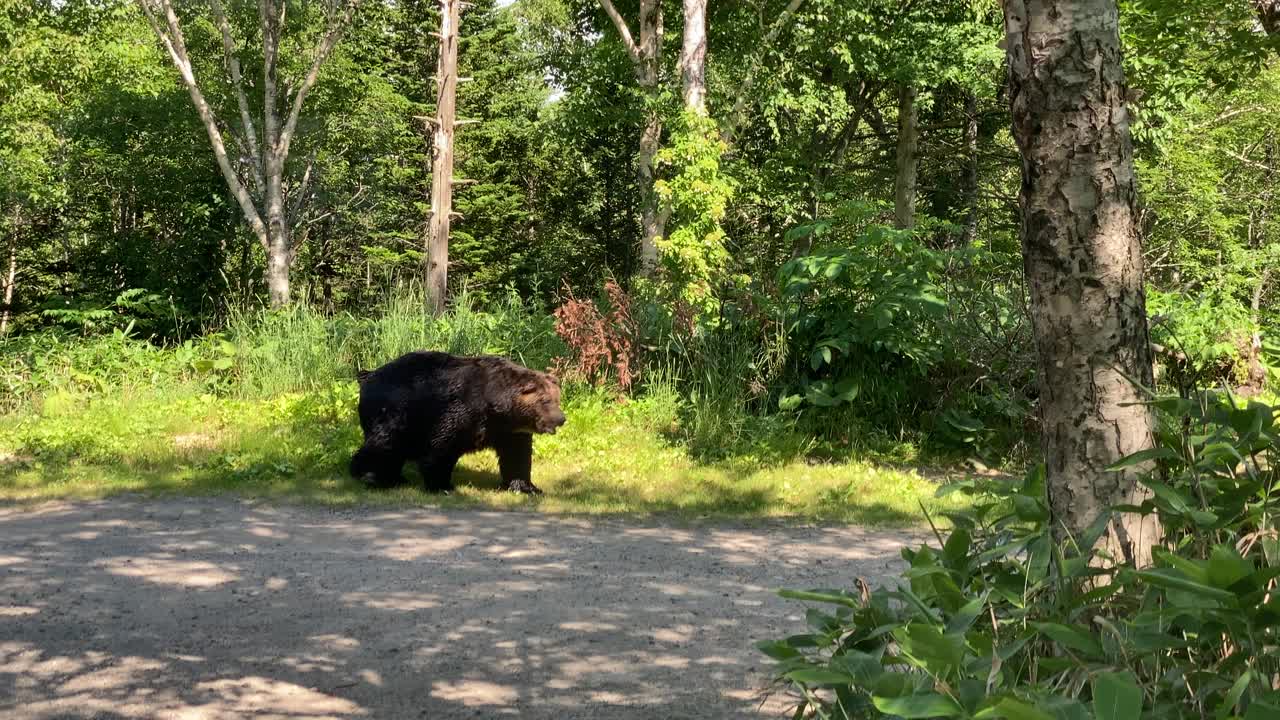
(264,197)
(1083,260)
(436,265)
(904,184)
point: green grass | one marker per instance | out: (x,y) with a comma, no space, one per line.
(613,457)
(266,408)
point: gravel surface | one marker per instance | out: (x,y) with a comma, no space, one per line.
(218,608)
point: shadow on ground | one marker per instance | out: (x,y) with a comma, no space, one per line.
(215,608)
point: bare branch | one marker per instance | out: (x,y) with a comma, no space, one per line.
(1247,161)
(170,34)
(233,66)
(623,30)
(322,53)
(738,113)
(300,195)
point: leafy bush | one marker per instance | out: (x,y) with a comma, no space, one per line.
(1002,621)
(1201,339)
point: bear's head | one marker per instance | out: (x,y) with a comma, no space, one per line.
(537,403)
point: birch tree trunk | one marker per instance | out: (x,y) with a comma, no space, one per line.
(693,57)
(11,275)
(264,196)
(646,57)
(437,256)
(970,232)
(904,183)
(1083,260)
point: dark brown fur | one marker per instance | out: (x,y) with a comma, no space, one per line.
(433,408)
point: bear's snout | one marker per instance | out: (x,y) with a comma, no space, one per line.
(552,422)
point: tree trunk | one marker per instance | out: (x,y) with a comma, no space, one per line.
(904,183)
(693,56)
(971,170)
(263,201)
(1083,260)
(1268,15)
(646,59)
(10,279)
(437,256)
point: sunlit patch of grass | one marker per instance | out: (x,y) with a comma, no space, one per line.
(612,457)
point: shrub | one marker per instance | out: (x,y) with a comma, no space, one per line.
(1001,621)
(600,344)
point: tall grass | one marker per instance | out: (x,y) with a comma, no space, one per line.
(300,348)
(266,406)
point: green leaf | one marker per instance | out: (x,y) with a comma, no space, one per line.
(964,617)
(833,597)
(1227,567)
(1011,709)
(1030,509)
(1070,637)
(1266,707)
(1233,696)
(934,651)
(1116,696)
(1142,456)
(777,650)
(955,553)
(818,676)
(1164,579)
(924,705)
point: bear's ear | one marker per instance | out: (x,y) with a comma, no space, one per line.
(529,387)
(554,380)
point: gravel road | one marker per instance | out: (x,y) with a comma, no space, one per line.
(218,609)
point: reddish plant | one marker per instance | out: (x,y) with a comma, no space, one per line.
(599,343)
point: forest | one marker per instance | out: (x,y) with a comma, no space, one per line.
(850,261)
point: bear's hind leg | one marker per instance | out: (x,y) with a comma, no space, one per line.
(515,463)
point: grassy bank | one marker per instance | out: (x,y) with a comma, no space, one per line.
(267,409)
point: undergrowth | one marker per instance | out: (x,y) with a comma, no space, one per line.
(266,406)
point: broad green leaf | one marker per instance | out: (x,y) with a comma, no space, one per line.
(1011,709)
(1234,694)
(1226,567)
(1070,637)
(1116,696)
(924,705)
(1173,582)
(818,676)
(1142,456)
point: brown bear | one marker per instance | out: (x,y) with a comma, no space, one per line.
(433,408)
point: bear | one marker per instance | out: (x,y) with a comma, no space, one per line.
(434,407)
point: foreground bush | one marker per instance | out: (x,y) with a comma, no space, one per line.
(1002,622)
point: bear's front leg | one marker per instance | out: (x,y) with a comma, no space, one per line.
(376,467)
(437,471)
(515,462)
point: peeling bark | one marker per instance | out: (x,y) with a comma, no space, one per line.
(1083,259)
(436,264)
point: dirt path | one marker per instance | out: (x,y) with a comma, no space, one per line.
(218,609)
